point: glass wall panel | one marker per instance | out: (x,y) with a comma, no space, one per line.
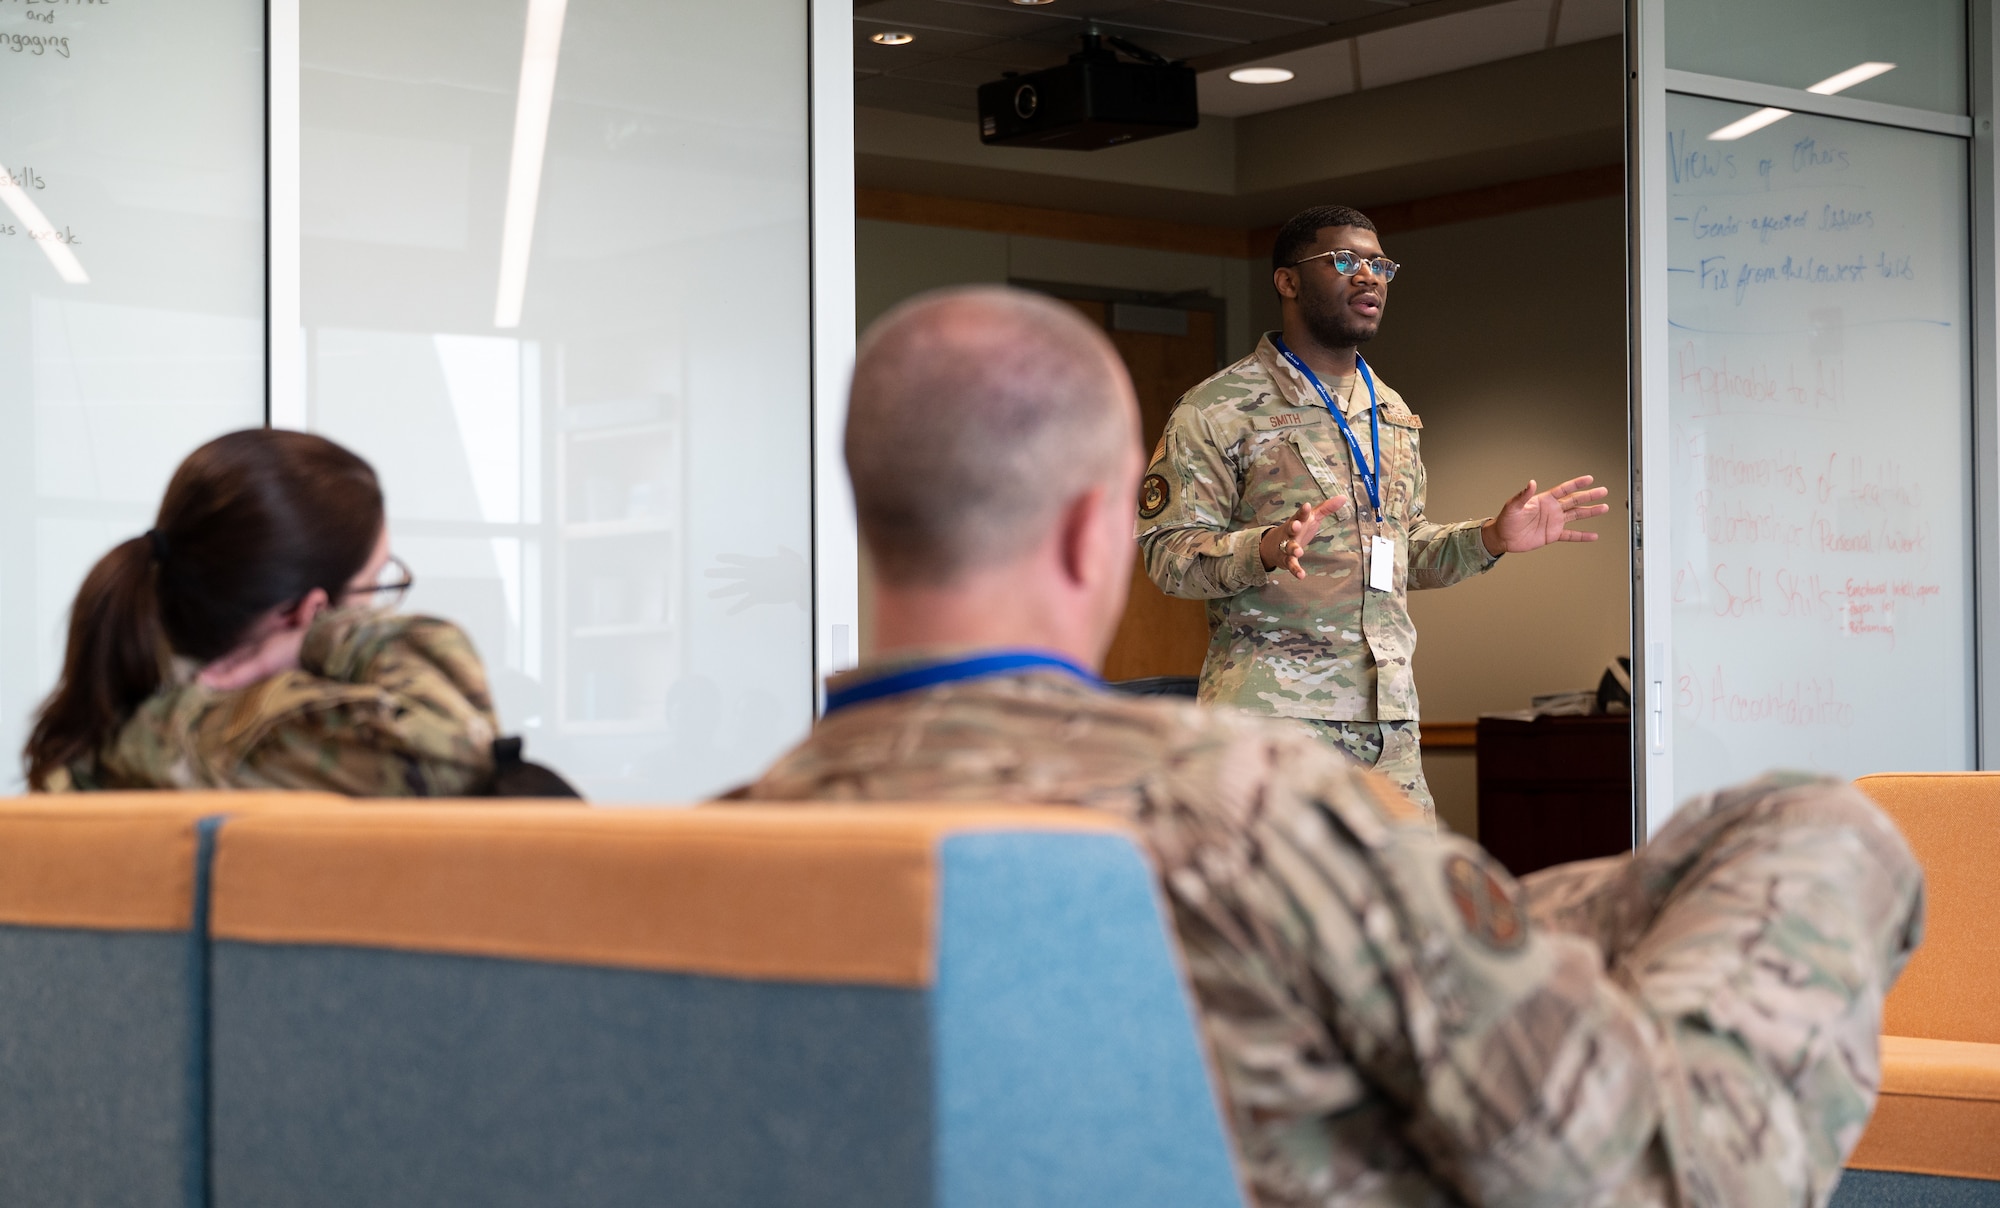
(131,289)
(1820,396)
(1802,43)
(555,276)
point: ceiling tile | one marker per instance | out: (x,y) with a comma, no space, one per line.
(873,59)
(1584,20)
(1001,21)
(1222,24)
(1161,42)
(1314,12)
(965,73)
(917,96)
(1480,35)
(929,44)
(1019,55)
(1317,72)
(1074,10)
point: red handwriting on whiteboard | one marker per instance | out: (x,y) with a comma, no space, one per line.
(1803,702)
(1858,607)
(1738,594)
(1876,484)
(1726,471)
(1719,385)
(1737,523)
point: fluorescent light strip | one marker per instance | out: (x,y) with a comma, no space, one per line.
(1840,82)
(1849,78)
(1744,125)
(41,230)
(531,139)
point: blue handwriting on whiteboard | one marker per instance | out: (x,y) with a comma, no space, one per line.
(1696,163)
(1708,225)
(1808,154)
(1767,225)
(1717,276)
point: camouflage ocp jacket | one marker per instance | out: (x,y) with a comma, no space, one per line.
(1241,452)
(383,705)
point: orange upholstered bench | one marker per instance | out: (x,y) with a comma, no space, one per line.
(875,1008)
(103,1094)
(1936,1130)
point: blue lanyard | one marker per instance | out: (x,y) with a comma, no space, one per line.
(979,666)
(1370,478)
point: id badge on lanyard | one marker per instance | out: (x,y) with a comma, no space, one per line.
(1381,564)
(1381,550)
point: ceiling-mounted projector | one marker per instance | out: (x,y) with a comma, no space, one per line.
(1095,100)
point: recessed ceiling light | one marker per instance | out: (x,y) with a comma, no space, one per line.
(1025,2)
(895,38)
(1260,75)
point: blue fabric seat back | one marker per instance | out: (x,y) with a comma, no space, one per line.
(756,1006)
(101,984)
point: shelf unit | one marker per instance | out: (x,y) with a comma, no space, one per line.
(621,502)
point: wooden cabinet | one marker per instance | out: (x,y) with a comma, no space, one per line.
(1554,789)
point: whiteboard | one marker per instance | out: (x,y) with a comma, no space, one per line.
(131,288)
(1820,402)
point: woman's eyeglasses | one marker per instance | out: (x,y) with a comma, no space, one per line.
(1347,263)
(391,585)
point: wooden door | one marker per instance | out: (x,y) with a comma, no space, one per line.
(1160,635)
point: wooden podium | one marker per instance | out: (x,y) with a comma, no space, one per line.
(1554,789)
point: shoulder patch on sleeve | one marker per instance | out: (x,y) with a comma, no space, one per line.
(1488,910)
(1154,495)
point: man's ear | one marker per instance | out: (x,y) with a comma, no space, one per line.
(1285,281)
(1082,536)
(301,614)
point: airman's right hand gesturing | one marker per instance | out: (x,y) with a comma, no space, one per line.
(1283,543)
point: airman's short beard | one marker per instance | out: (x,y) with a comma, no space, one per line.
(1333,326)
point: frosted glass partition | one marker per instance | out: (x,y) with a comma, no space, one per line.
(1819,370)
(1800,43)
(131,289)
(596,444)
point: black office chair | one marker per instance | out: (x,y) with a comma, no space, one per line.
(1158,685)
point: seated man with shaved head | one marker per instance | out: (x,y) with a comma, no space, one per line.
(1394,1020)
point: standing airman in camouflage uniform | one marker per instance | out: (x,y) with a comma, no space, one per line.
(1247,505)
(1394,1020)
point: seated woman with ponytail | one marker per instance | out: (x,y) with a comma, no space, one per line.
(247,642)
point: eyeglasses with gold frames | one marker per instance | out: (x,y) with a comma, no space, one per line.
(1347,262)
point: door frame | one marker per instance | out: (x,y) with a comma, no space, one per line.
(836,538)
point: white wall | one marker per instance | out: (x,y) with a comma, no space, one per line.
(1518,370)
(895,260)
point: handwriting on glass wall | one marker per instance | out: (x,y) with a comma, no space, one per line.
(30,181)
(41,44)
(1801,525)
